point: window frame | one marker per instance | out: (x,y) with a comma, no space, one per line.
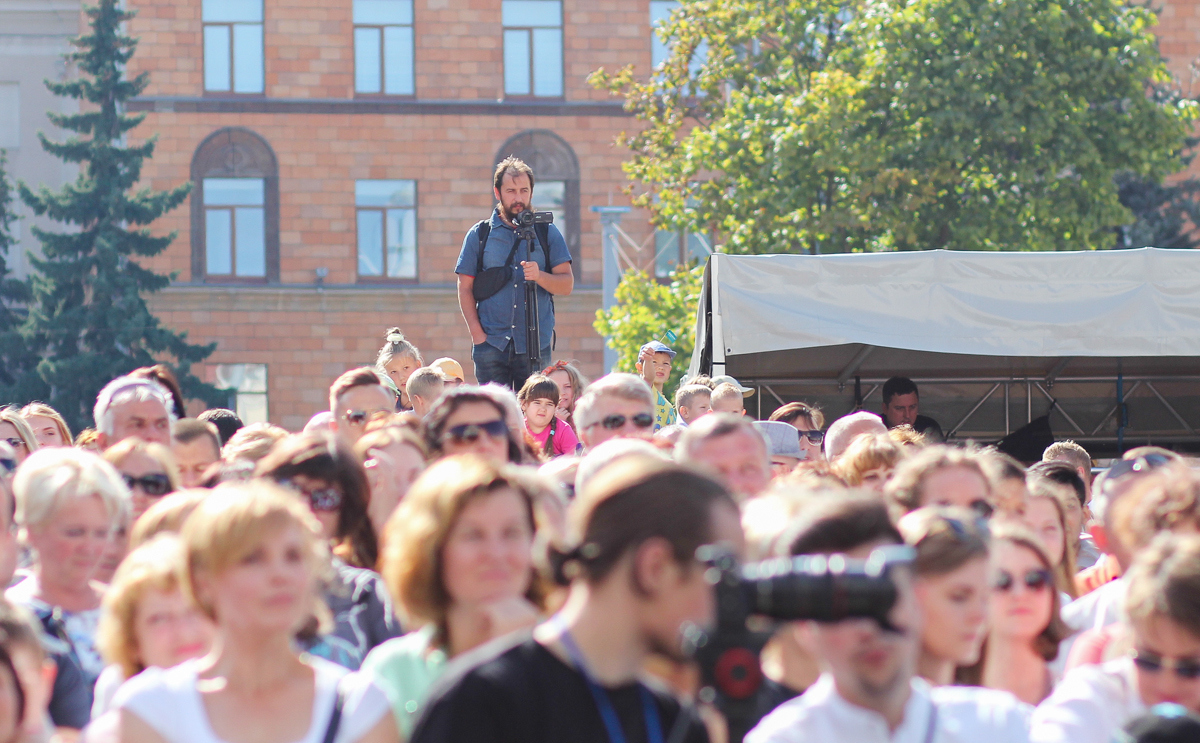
(229,26)
(379,28)
(231,209)
(562,58)
(384,278)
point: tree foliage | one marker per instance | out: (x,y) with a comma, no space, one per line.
(646,310)
(88,317)
(902,124)
(16,359)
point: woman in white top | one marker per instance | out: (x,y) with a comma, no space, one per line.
(1163,665)
(253,562)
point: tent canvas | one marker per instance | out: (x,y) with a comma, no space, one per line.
(1038,326)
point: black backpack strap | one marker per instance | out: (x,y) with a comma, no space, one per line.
(483,229)
(335,716)
(543,235)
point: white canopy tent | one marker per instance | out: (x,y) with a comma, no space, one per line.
(1055,332)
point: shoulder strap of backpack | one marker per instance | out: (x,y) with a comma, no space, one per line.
(543,236)
(482,230)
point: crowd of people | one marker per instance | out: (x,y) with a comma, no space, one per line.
(438,561)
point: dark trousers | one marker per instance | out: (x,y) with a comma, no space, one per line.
(504,367)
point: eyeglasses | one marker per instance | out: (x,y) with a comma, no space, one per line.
(469,433)
(15,442)
(9,465)
(1139,466)
(616,420)
(325,500)
(1035,580)
(154,485)
(814,437)
(1184,668)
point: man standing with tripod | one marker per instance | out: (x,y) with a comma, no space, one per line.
(494,268)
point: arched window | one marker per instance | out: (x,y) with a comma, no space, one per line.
(556,180)
(235,209)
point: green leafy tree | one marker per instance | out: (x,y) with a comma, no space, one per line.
(17,362)
(88,315)
(882,125)
(646,310)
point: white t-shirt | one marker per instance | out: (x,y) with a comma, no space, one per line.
(1089,706)
(167,700)
(964,715)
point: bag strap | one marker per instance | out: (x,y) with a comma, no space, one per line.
(482,230)
(335,716)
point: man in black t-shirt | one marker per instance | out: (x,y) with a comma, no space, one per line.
(901,407)
(635,584)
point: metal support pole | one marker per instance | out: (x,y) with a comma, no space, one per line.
(1171,409)
(1122,413)
(610,223)
(1007,423)
(978,405)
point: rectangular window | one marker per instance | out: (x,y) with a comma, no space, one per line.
(660,11)
(383,47)
(533,48)
(551,196)
(387,229)
(233,46)
(234,227)
(247,384)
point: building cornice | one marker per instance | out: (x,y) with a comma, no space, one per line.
(402,106)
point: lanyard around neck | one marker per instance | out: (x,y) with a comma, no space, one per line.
(608,713)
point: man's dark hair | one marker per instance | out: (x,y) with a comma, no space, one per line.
(227,422)
(513,166)
(1063,473)
(841,523)
(187,430)
(898,386)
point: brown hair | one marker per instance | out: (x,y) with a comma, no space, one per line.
(945,538)
(363,376)
(1070,452)
(416,534)
(1164,581)
(1065,571)
(1056,630)
(844,521)
(395,345)
(865,453)
(187,430)
(162,374)
(45,411)
(539,387)
(511,166)
(253,442)
(906,490)
(386,436)
(1167,499)
(793,410)
(632,500)
(578,381)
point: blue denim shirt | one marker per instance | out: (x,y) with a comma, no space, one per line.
(503,314)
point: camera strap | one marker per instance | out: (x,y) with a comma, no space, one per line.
(604,705)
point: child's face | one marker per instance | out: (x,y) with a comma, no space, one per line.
(662,367)
(699,405)
(729,405)
(539,413)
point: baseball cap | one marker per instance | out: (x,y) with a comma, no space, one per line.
(659,347)
(726,379)
(450,368)
(783,437)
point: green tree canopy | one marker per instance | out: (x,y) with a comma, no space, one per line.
(88,317)
(889,124)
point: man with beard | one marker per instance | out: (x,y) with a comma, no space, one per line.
(868,691)
(498,262)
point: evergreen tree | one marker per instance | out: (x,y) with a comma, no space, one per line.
(88,317)
(17,363)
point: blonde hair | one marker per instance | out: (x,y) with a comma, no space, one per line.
(1164,581)
(865,453)
(166,516)
(905,492)
(154,566)
(122,450)
(725,391)
(231,523)
(253,442)
(416,534)
(906,435)
(51,479)
(395,345)
(10,414)
(45,411)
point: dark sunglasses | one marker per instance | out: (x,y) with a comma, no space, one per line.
(15,442)
(326,500)
(616,420)
(814,437)
(154,485)
(9,465)
(469,433)
(982,509)
(1035,580)
(1138,466)
(1184,668)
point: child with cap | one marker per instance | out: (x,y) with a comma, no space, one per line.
(654,366)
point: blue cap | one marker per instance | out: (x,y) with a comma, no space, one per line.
(659,347)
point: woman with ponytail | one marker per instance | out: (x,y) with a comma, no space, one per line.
(398,359)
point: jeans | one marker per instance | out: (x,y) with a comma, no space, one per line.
(504,367)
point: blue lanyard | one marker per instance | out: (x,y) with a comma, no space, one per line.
(604,705)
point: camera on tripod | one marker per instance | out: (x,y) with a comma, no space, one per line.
(527,218)
(822,588)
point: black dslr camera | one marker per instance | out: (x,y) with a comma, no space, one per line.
(823,588)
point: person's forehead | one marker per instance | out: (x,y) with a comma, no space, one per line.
(200,445)
(662,357)
(140,408)
(908,398)
(365,394)
(612,403)
(514,180)
(739,441)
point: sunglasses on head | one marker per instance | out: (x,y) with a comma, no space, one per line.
(616,420)
(1138,466)
(154,485)
(470,432)
(1035,580)
(814,437)
(15,442)
(1184,668)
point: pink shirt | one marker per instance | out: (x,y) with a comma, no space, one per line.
(565,441)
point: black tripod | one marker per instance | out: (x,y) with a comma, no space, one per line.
(525,229)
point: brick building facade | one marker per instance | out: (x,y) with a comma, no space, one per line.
(299,170)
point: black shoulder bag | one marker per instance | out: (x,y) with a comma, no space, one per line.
(488,281)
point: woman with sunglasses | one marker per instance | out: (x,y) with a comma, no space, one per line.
(951,576)
(332,483)
(1159,661)
(469,420)
(148,469)
(1024,624)
(16,431)
(808,420)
